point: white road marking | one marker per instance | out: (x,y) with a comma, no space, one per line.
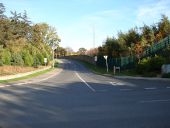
(2,86)
(126,89)
(168,87)
(7,85)
(85,82)
(149,88)
(29,82)
(113,83)
(116,83)
(153,101)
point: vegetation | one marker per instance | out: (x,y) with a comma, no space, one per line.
(136,40)
(23,43)
(27,77)
(134,43)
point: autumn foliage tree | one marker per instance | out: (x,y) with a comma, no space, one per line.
(23,43)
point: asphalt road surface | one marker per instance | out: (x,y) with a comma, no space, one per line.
(77,98)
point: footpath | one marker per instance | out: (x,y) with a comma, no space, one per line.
(36,79)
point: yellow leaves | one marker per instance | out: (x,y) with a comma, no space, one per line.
(16,46)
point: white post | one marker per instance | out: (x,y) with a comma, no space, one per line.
(53,58)
(106,64)
(53,54)
(114,70)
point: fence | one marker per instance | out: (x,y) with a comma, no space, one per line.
(157,47)
(124,62)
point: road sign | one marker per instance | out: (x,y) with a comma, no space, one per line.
(105,57)
(45,61)
(95,58)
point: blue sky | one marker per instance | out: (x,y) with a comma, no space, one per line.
(75,19)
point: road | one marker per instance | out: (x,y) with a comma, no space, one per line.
(77,98)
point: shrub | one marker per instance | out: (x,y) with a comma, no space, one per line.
(143,66)
(101,62)
(6,57)
(40,58)
(36,62)
(17,59)
(28,59)
(166,75)
(150,64)
(156,63)
(1,63)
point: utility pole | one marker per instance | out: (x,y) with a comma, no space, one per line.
(94,36)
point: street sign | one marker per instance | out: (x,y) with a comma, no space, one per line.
(105,57)
(45,61)
(95,58)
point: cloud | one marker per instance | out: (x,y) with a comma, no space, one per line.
(151,13)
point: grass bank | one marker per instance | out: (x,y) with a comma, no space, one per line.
(101,71)
(28,76)
(31,75)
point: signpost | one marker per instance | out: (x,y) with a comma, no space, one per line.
(95,58)
(45,61)
(106,63)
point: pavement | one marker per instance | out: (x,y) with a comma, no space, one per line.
(36,79)
(77,98)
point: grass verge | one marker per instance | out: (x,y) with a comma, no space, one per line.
(101,71)
(27,77)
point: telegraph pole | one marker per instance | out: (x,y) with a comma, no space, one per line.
(94,36)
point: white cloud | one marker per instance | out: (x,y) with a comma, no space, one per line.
(151,13)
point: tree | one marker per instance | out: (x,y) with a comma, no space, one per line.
(164,26)
(60,51)
(92,52)
(82,51)
(148,34)
(2,11)
(69,51)
(24,43)
(132,37)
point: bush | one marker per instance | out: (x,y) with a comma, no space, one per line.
(17,59)
(143,66)
(150,65)
(6,57)
(101,62)
(36,62)
(1,63)
(28,59)
(166,75)
(156,63)
(40,58)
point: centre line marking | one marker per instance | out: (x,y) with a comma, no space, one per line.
(85,82)
(168,87)
(149,88)
(126,89)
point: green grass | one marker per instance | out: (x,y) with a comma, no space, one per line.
(94,68)
(27,77)
(101,71)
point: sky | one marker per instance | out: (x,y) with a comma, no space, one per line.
(87,23)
